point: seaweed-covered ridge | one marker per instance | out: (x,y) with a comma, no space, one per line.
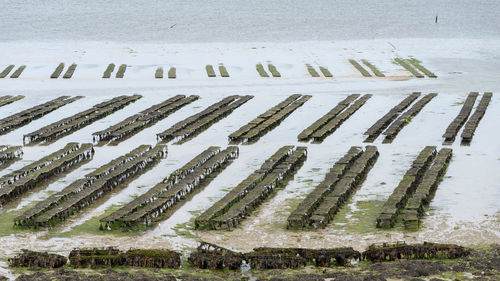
(164,196)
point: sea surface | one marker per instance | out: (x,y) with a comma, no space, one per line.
(177,21)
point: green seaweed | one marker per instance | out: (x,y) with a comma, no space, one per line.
(6,71)
(359,220)
(159,73)
(273,70)
(7,222)
(373,68)
(185,229)
(408,67)
(91,226)
(121,71)
(210,70)
(361,69)
(223,71)
(260,69)
(312,71)
(18,72)
(325,71)
(422,69)
(109,70)
(172,73)
(70,71)
(9,100)
(57,72)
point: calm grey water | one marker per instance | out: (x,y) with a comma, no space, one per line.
(237,20)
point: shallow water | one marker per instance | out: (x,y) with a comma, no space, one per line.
(457,201)
(245,21)
(464,210)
